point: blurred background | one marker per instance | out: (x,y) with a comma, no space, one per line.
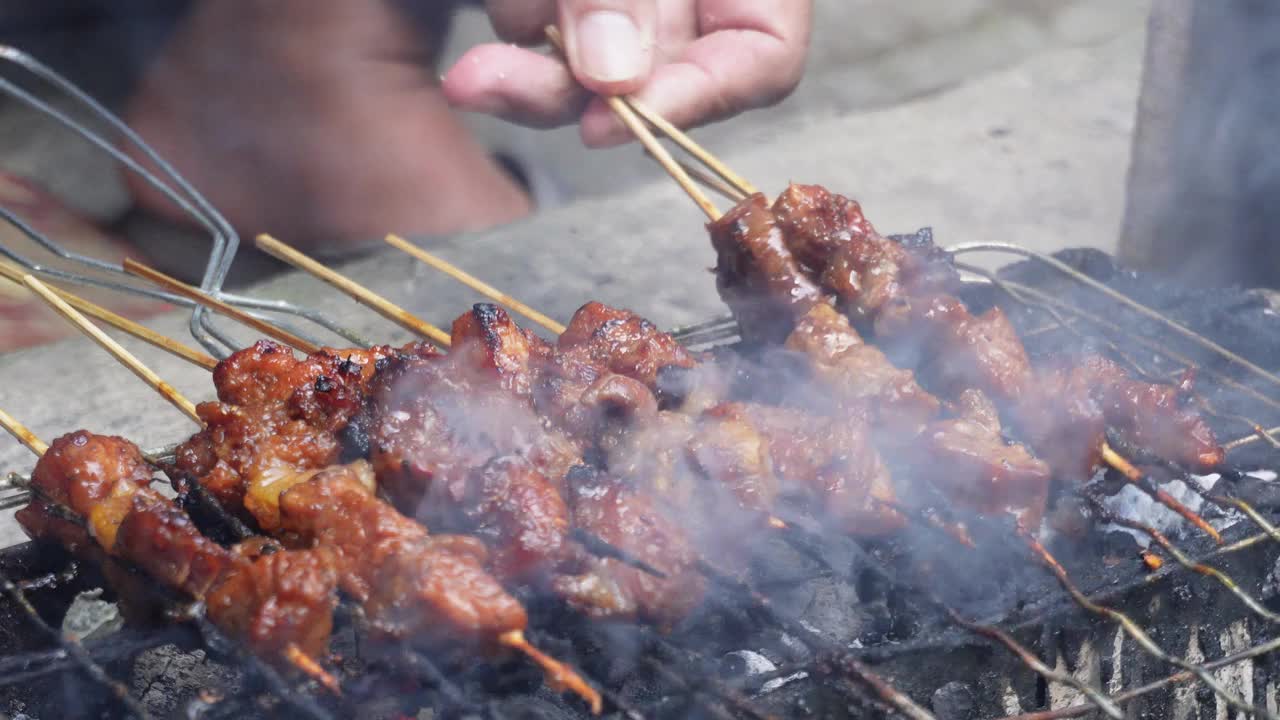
(866,55)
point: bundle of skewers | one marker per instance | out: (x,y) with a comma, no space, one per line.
(610,468)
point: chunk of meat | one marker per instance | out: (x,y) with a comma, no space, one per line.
(410,583)
(861,374)
(486,339)
(610,588)
(756,273)
(831,237)
(623,342)
(268,602)
(835,460)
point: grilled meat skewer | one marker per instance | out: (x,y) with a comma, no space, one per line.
(277,454)
(278,603)
(812,239)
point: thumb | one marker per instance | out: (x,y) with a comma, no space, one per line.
(610,43)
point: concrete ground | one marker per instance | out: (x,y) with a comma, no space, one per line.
(1034,154)
(866,54)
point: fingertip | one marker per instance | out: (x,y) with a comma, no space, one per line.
(470,83)
(600,128)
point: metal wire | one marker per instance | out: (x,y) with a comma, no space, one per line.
(169,182)
(225,243)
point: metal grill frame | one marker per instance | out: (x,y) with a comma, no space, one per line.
(838,663)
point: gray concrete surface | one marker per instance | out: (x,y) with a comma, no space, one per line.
(865,54)
(1035,154)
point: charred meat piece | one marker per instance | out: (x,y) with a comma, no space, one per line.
(277,414)
(432,423)
(861,374)
(1153,416)
(623,342)
(611,588)
(1073,405)
(835,461)
(465,453)
(831,237)
(411,584)
(270,602)
(968,460)
(955,349)
(757,275)
(487,340)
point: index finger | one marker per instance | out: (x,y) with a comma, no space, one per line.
(752,54)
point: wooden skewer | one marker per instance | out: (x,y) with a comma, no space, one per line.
(363,295)
(647,139)
(222,308)
(308,666)
(124,356)
(293,654)
(24,436)
(711,182)
(120,322)
(559,675)
(687,143)
(1135,476)
(474,283)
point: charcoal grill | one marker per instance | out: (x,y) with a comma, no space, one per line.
(920,626)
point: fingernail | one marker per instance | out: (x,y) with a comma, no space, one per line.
(609,47)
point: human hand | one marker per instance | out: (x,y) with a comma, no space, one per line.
(691,61)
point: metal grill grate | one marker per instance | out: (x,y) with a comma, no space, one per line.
(682,669)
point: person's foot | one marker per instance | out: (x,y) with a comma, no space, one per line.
(321,123)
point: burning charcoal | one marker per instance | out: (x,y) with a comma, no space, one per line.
(1271,585)
(744,663)
(1262,494)
(954,701)
(90,618)
(877,623)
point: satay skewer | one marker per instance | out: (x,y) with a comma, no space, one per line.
(560,675)
(120,322)
(222,308)
(474,283)
(361,294)
(293,654)
(125,357)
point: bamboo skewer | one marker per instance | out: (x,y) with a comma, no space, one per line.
(305,664)
(361,294)
(632,120)
(124,356)
(23,435)
(146,334)
(687,143)
(222,308)
(1135,476)
(474,283)
(560,675)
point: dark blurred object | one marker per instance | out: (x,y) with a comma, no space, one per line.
(99,44)
(1206,163)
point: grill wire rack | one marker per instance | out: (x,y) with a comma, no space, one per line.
(845,669)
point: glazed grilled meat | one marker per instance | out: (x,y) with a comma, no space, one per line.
(622,342)
(900,289)
(757,275)
(276,452)
(860,374)
(268,601)
(458,439)
(277,414)
(411,584)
